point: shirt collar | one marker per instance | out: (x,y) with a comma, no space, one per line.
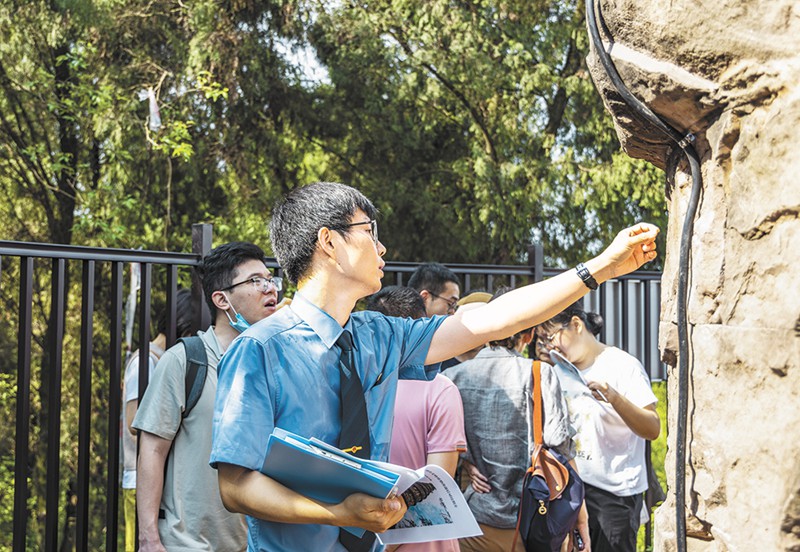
(210,337)
(322,323)
(495,352)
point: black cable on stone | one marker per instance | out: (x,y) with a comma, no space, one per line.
(685,143)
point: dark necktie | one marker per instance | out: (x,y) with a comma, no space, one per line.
(355,426)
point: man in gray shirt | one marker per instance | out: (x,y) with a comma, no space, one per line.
(495,388)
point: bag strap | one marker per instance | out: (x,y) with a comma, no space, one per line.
(543,463)
(538,440)
(196,368)
(536,396)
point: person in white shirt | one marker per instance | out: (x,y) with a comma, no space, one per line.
(612,418)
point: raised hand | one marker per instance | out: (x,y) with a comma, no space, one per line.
(631,248)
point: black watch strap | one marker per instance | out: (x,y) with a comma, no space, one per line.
(586,276)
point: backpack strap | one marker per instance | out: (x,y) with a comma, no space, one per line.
(196,369)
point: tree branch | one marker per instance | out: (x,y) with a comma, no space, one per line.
(473,111)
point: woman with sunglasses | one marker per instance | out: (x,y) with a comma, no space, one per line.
(613,415)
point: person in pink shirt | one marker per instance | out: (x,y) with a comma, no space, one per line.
(428,416)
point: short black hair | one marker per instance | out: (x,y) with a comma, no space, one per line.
(433,277)
(185,314)
(218,268)
(403,302)
(299,215)
(594,322)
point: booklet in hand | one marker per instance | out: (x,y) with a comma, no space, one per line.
(565,369)
(321,471)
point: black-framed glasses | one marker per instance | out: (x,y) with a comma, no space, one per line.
(548,339)
(451,303)
(260,283)
(373,228)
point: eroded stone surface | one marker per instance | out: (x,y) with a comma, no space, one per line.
(729,72)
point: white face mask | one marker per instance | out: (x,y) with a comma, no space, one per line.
(239,323)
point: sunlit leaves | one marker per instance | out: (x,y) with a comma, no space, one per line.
(506,84)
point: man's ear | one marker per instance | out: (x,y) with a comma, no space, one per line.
(425,294)
(527,337)
(325,241)
(220,301)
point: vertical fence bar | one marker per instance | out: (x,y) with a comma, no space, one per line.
(115,399)
(22,452)
(144,327)
(601,302)
(536,261)
(618,289)
(201,245)
(624,304)
(171,306)
(648,329)
(648,527)
(638,316)
(57,309)
(85,406)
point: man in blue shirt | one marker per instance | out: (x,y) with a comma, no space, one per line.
(283,372)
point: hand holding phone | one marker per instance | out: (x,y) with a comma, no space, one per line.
(579,545)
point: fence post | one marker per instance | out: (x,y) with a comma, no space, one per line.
(536,261)
(22,452)
(201,245)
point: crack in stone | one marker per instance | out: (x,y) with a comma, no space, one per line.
(769,222)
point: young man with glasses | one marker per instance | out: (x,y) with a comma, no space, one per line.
(179,508)
(288,371)
(438,286)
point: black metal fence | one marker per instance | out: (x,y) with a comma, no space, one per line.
(82,506)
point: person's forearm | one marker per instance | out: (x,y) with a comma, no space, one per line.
(536,303)
(508,314)
(644,422)
(446,460)
(253,493)
(153,453)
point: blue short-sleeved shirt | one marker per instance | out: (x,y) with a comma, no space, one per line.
(283,372)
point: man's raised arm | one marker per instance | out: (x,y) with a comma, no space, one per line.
(533,304)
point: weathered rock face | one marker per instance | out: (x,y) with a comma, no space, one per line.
(729,72)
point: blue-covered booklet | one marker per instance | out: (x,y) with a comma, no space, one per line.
(323,472)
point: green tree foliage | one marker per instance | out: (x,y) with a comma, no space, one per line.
(474,126)
(478,128)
